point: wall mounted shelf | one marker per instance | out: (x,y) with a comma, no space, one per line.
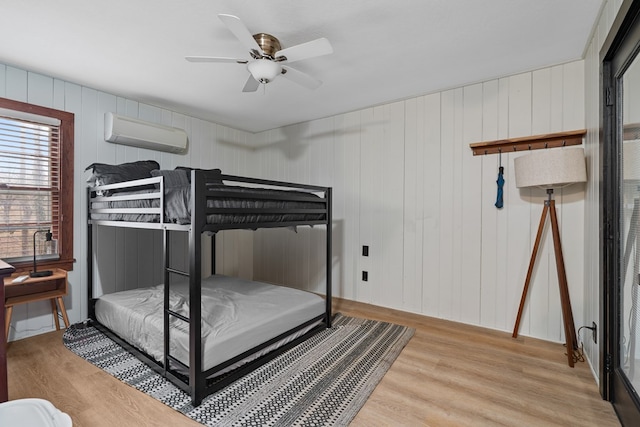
(536,142)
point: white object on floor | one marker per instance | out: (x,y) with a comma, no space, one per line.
(32,413)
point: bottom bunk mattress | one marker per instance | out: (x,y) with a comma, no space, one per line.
(237,315)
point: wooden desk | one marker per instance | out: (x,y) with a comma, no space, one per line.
(5,270)
(34,289)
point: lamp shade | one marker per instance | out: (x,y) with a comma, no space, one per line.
(553,167)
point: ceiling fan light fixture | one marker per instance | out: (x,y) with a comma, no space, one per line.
(264,70)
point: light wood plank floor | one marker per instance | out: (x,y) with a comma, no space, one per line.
(448,375)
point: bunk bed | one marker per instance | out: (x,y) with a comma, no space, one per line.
(201,341)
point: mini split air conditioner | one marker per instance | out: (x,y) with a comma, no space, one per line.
(138,133)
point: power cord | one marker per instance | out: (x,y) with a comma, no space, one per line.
(581,349)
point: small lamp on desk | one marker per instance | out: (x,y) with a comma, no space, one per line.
(35,272)
(551,168)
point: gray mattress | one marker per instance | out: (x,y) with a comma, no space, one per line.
(178,199)
(237,315)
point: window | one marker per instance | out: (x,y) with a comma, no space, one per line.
(36,184)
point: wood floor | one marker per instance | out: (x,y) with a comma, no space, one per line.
(448,375)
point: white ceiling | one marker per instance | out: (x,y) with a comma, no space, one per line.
(384,50)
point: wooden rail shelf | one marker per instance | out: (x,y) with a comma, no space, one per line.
(536,142)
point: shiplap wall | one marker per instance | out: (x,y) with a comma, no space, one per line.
(125,257)
(406,184)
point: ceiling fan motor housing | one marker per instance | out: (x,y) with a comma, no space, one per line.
(268,43)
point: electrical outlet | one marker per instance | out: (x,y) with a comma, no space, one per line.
(365,250)
(365,276)
(594,330)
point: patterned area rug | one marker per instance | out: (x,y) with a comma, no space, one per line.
(323,381)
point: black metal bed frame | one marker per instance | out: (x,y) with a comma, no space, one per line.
(197,383)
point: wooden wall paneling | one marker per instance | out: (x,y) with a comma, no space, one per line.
(380,227)
(412,239)
(505,284)
(108,264)
(300,146)
(413,298)
(17,86)
(518,225)
(340,249)
(225,255)
(368,193)
(217,161)
(447,201)
(254,169)
(458,198)
(40,89)
(306,140)
(557,116)
(241,246)
(572,198)
(339,164)
(321,154)
(544,108)
(275,248)
(272,247)
(544,297)
(432,163)
(3,81)
(490,292)
(472,201)
(348,225)
(390,173)
(70,99)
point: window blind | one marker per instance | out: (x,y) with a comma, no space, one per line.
(29,185)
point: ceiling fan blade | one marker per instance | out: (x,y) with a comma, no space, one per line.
(251,85)
(214,59)
(306,50)
(235,25)
(301,78)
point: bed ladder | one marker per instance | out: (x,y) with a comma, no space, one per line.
(168,313)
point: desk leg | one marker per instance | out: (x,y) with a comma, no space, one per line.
(54,309)
(64,312)
(7,321)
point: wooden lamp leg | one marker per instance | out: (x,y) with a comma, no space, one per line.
(567,313)
(534,255)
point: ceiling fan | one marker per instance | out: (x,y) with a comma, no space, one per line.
(269,59)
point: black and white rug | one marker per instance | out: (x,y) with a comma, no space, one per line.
(324,381)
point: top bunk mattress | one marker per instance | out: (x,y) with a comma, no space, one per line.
(237,315)
(177,207)
(136,197)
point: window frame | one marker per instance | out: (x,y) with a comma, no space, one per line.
(65,220)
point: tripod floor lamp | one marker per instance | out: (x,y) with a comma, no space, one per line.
(551,168)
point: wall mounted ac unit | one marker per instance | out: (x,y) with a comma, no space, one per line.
(138,133)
